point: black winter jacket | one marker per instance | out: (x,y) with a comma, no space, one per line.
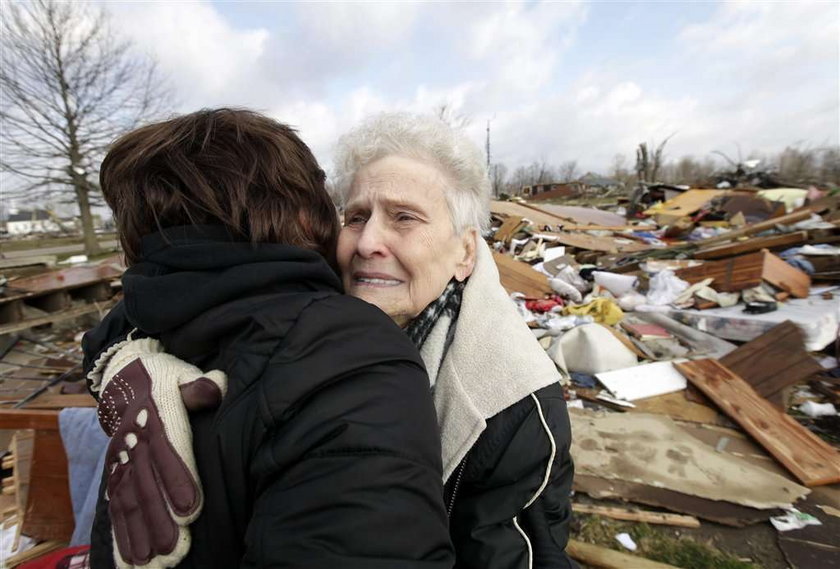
(325,451)
(486,495)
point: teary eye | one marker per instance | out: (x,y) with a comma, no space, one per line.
(355,219)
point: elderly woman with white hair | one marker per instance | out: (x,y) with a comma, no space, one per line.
(415,195)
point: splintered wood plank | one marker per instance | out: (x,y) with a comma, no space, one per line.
(773,361)
(517,276)
(805,455)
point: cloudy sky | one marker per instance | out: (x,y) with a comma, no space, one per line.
(560,81)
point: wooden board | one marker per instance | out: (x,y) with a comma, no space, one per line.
(517,276)
(775,360)
(49,511)
(748,271)
(805,455)
(753,244)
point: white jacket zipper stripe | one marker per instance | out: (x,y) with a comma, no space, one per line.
(527,542)
(550,459)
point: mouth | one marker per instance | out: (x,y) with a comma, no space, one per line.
(377,280)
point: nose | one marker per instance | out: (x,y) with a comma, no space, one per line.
(372,240)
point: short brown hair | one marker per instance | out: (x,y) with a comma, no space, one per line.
(227,167)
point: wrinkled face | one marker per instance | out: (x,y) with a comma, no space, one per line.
(397,249)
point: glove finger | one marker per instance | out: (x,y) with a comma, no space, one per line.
(161,528)
(124,512)
(141,546)
(177,481)
(201,394)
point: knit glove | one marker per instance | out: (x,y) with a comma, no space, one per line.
(153,489)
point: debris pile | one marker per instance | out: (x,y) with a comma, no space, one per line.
(698,341)
(42,318)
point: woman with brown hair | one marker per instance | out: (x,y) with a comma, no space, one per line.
(314,442)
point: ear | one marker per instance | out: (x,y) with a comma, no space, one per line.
(466,262)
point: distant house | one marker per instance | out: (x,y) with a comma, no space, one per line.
(28,222)
(551,190)
(592,182)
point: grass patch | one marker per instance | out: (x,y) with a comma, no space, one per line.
(656,545)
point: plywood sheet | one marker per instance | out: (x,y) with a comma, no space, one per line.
(805,455)
(686,203)
(655,450)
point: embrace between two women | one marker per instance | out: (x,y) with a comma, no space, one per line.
(284,392)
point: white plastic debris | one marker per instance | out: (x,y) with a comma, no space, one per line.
(565,290)
(813,409)
(616,283)
(665,287)
(630,301)
(627,541)
(794,519)
(74,260)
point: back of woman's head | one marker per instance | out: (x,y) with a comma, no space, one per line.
(233,168)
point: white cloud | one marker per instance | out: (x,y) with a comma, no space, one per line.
(208,60)
(760,74)
(522,43)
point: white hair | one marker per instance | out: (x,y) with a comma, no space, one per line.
(430,140)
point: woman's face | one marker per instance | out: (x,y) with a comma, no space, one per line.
(397,249)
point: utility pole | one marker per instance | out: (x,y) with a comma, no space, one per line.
(488,146)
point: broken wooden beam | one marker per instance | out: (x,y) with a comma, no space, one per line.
(805,455)
(642,516)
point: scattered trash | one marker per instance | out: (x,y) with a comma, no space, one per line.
(794,519)
(813,409)
(626,541)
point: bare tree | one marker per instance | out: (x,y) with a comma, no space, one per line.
(567,172)
(649,162)
(498,178)
(446,112)
(69,88)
